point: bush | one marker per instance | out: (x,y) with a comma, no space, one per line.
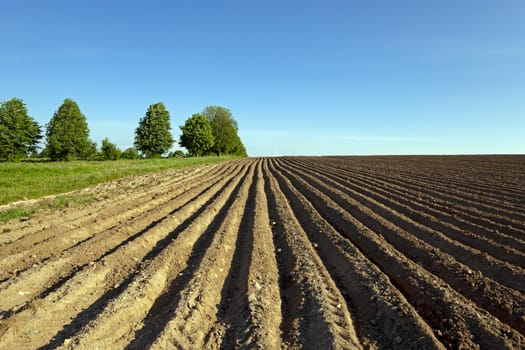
(130,153)
(177,154)
(109,150)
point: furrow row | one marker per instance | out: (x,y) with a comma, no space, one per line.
(439,215)
(59,314)
(75,248)
(108,196)
(464,213)
(315,314)
(249,313)
(463,200)
(194,311)
(456,320)
(502,301)
(383,219)
(65,234)
(277,253)
(382,315)
(369,197)
(494,179)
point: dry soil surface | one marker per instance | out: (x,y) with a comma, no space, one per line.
(277,253)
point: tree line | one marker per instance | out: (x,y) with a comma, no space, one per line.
(214,131)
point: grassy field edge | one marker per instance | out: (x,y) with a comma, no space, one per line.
(25,181)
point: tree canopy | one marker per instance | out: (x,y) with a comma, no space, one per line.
(130,153)
(153,136)
(67,133)
(197,135)
(225,129)
(238,147)
(109,150)
(19,133)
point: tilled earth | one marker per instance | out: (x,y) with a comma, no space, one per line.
(277,253)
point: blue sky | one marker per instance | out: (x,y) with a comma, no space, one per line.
(300,77)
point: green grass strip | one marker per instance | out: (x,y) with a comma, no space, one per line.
(16,213)
(19,181)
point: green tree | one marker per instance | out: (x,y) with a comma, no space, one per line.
(153,137)
(130,153)
(92,152)
(197,135)
(238,147)
(19,133)
(68,133)
(225,130)
(109,150)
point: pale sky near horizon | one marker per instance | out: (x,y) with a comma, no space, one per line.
(300,77)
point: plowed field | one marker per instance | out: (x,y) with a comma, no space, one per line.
(292,253)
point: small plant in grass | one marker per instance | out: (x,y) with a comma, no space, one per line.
(16,213)
(60,202)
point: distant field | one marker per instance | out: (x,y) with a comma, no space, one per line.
(19,181)
(277,253)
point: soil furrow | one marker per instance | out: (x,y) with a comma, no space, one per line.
(383,252)
(66,236)
(462,214)
(504,191)
(497,182)
(148,287)
(196,292)
(368,195)
(421,206)
(107,195)
(382,219)
(89,290)
(487,210)
(506,304)
(464,202)
(315,314)
(249,313)
(382,314)
(464,188)
(458,323)
(42,279)
(486,194)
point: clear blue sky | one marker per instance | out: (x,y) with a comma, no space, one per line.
(300,77)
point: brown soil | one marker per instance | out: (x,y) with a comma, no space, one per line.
(277,253)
